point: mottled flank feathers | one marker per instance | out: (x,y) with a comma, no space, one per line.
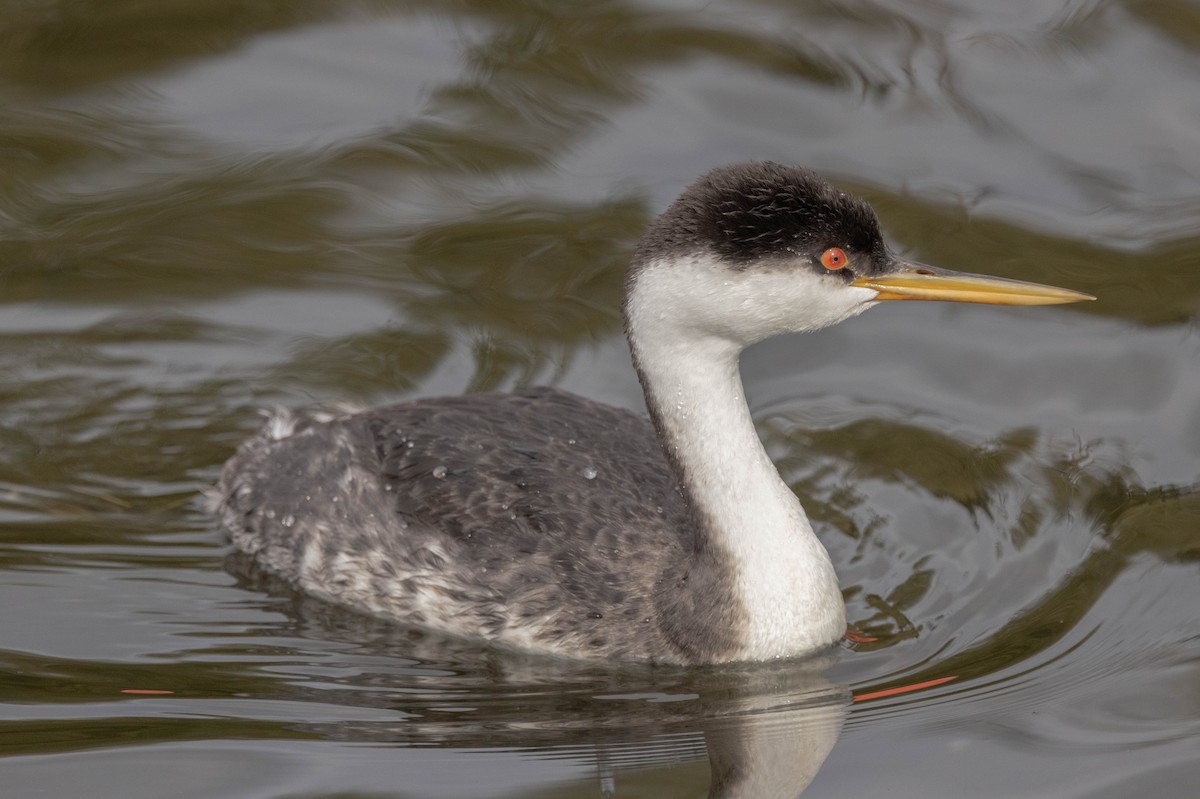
(538,519)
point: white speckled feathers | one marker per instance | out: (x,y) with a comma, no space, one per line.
(539,519)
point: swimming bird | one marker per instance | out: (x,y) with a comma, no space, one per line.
(546,521)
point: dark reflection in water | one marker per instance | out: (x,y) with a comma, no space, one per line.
(210,208)
(763,729)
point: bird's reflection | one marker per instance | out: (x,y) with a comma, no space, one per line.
(764,728)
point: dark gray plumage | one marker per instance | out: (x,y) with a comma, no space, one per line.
(538,515)
(762,212)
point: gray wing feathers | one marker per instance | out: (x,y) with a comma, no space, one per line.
(539,518)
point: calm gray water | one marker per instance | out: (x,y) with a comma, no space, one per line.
(207,208)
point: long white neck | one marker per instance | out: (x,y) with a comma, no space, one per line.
(783,577)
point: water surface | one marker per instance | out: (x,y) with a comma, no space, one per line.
(207,209)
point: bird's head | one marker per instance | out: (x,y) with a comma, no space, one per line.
(754,250)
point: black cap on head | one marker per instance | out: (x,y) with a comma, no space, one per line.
(746,212)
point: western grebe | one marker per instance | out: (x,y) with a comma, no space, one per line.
(546,521)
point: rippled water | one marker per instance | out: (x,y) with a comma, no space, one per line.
(208,208)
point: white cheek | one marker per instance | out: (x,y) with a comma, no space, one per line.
(698,296)
(772,302)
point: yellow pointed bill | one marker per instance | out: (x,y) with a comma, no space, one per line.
(921,282)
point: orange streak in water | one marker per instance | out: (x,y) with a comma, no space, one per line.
(857,636)
(903,689)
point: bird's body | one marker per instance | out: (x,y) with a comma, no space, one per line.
(500,516)
(549,522)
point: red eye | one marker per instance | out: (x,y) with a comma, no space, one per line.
(834,258)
